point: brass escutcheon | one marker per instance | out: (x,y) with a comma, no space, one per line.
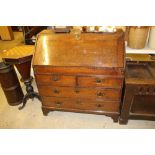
(58,103)
(55,78)
(100,94)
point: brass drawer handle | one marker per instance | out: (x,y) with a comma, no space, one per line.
(99,80)
(55,78)
(99,105)
(58,103)
(77,91)
(56,91)
(100,94)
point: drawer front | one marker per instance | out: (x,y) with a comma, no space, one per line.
(81,104)
(100,81)
(93,93)
(55,80)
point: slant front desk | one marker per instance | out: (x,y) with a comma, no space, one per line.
(80,72)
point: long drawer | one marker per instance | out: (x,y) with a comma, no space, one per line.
(82,104)
(93,93)
(81,81)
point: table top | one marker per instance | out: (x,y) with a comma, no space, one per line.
(18,52)
(140,73)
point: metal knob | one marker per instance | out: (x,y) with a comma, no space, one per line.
(56,91)
(55,78)
(58,103)
(99,105)
(77,91)
(100,94)
(98,80)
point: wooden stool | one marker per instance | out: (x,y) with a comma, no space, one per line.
(139,97)
(21,57)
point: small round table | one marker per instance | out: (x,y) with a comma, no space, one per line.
(21,57)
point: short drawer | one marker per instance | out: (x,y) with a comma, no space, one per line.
(100,81)
(55,80)
(93,93)
(80,104)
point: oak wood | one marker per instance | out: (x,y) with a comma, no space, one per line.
(100,93)
(83,104)
(92,49)
(62,80)
(82,81)
(112,71)
(80,72)
(100,81)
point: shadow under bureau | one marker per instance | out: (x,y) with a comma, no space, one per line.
(81,72)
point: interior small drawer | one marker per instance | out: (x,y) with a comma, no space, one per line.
(55,80)
(99,81)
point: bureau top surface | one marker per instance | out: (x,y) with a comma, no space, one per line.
(80,50)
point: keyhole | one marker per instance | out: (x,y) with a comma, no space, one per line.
(99,105)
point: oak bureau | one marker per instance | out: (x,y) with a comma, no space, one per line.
(80,72)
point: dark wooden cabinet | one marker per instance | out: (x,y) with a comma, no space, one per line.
(139,97)
(10,84)
(80,72)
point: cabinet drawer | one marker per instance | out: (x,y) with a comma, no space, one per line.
(80,104)
(103,94)
(100,81)
(55,80)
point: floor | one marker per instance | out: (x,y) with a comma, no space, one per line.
(31,116)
